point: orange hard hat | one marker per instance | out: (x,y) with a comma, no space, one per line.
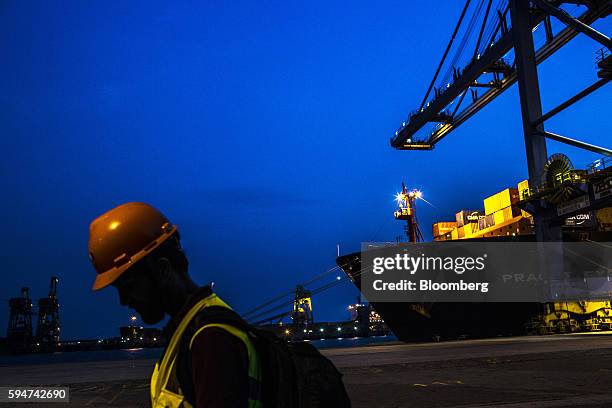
(124,235)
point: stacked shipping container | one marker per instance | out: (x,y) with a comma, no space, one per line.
(501,217)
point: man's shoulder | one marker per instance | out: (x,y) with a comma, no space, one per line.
(214,316)
(219,315)
(214,338)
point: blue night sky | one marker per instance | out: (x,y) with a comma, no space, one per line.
(260,128)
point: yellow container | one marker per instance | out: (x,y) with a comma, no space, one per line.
(454,234)
(498,217)
(522,186)
(508,197)
(469,229)
(507,213)
(500,200)
(491,204)
(441,228)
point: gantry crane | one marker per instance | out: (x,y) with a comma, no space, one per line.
(19,333)
(48,328)
(504,30)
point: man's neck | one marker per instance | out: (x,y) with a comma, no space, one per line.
(179,296)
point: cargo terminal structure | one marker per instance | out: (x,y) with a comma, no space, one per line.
(502,220)
(557,203)
(502,217)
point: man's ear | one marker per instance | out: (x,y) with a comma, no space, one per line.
(165,268)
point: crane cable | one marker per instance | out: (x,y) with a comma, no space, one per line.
(490,31)
(306,283)
(316,291)
(462,42)
(292,291)
(290,302)
(448,47)
(467,35)
(492,25)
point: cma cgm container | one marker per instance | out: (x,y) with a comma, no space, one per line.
(467,216)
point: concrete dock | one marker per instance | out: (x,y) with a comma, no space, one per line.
(549,371)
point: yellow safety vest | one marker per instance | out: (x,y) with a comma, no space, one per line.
(165,388)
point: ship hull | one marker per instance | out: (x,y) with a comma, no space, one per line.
(446,320)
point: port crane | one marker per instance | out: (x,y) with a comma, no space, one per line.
(48,327)
(19,332)
(502,53)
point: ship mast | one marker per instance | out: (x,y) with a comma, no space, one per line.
(406,201)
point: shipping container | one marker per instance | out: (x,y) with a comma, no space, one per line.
(455,234)
(466,216)
(459,219)
(469,229)
(441,228)
(511,212)
(461,232)
(482,223)
(500,200)
(583,220)
(491,204)
(509,197)
(498,217)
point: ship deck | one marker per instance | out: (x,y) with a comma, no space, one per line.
(548,371)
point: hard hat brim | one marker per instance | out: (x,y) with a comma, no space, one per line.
(106,278)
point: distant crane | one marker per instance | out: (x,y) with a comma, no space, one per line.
(302,307)
(19,333)
(48,328)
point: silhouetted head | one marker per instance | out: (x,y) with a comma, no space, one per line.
(156,284)
(136,249)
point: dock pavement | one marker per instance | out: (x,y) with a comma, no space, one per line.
(539,371)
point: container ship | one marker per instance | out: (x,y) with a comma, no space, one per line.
(582,199)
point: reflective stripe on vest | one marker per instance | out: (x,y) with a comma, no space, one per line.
(165,389)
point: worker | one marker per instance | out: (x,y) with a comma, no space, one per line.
(134,248)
